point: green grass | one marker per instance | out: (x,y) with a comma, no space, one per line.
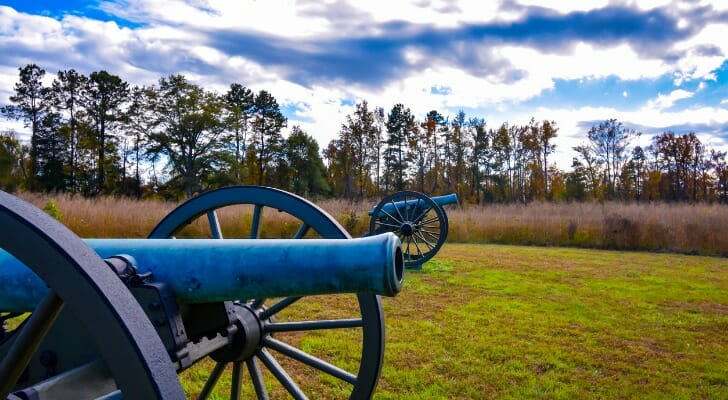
(492,321)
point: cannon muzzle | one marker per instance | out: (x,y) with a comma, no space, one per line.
(210,270)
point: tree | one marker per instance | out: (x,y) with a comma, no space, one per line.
(67,92)
(52,145)
(433,126)
(240,108)
(358,140)
(30,104)
(480,155)
(188,133)
(639,167)
(458,146)
(590,171)
(13,159)
(267,125)
(105,96)
(546,133)
(308,170)
(720,167)
(420,144)
(684,160)
(609,141)
(502,149)
(575,182)
(140,122)
(400,123)
(377,146)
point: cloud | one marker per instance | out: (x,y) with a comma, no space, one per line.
(667,101)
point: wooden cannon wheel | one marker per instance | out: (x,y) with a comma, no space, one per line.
(312,221)
(422,228)
(79,283)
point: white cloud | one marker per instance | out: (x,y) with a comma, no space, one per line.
(566,6)
(586,61)
(663,101)
(695,65)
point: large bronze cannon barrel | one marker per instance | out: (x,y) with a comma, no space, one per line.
(209,270)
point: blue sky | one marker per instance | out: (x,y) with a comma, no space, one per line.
(655,65)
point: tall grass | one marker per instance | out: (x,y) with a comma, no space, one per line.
(681,228)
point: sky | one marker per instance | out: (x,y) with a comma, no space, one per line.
(654,65)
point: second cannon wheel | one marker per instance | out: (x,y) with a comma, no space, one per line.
(420,223)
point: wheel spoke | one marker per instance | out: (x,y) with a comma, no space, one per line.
(214,224)
(429,220)
(314,325)
(302,231)
(257,378)
(409,254)
(212,380)
(432,224)
(236,388)
(309,360)
(397,209)
(392,217)
(434,235)
(276,308)
(405,208)
(255,225)
(257,303)
(423,213)
(388,225)
(27,341)
(281,374)
(417,246)
(425,241)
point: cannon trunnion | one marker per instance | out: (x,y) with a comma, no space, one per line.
(126,325)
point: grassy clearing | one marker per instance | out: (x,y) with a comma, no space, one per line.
(492,321)
(496,321)
(488,321)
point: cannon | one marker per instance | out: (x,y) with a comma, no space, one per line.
(417,219)
(120,318)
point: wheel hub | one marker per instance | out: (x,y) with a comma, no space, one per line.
(407,229)
(248,338)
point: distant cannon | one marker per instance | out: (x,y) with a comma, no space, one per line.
(418,220)
(126,325)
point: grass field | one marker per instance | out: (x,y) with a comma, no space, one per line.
(503,321)
(492,321)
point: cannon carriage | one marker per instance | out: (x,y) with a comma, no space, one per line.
(418,220)
(105,319)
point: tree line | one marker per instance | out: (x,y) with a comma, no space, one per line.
(98,135)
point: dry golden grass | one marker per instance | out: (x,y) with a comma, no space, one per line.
(682,228)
